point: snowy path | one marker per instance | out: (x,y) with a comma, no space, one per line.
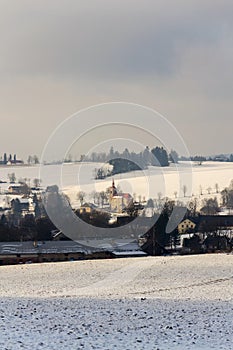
(136,303)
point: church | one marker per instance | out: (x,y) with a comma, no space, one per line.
(118,202)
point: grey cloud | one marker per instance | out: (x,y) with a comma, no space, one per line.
(175,56)
(98,41)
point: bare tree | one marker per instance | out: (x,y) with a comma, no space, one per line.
(231,185)
(33,159)
(192,207)
(12,177)
(30,159)
(97,198)
(175,194)
(209,190)
(225,196)
(184,188)
(36,159)
(36,182)
(210,206)
(21,181)
(81,196)
(103,197)
(201,190)
(217,188)
(92,196)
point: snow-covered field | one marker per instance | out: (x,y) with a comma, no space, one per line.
(148,184)
(182,302)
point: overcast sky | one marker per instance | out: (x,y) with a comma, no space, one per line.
(60,56)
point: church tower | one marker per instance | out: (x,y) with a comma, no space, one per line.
(112,190)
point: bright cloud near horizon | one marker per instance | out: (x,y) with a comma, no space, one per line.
(59,57)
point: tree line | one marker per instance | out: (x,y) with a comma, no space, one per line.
(9,158)
(131,161)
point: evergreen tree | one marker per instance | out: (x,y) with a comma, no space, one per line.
(173,156)
(159,157)
(147,156)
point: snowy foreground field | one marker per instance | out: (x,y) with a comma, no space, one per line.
(136,303)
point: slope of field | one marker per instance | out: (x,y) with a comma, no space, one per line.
(135,303)
(149,183)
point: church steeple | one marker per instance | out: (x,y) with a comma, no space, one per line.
(113,190)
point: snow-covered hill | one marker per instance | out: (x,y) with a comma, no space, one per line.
(148,183)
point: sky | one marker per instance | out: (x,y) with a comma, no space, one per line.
(57,57)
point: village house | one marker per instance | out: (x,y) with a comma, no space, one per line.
(206,223)
(211,233)
(187,226)
(20,206)
(87,208)
(19,189)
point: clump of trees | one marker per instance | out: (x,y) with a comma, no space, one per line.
(9,158)
(33,160)
(17,227)
(227,196)
(131,161)
(173,156)
(81,197)
(159,157)
(210,206)
(157,240)
(199,159)
(12,178)
(95,218)
(121,165)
